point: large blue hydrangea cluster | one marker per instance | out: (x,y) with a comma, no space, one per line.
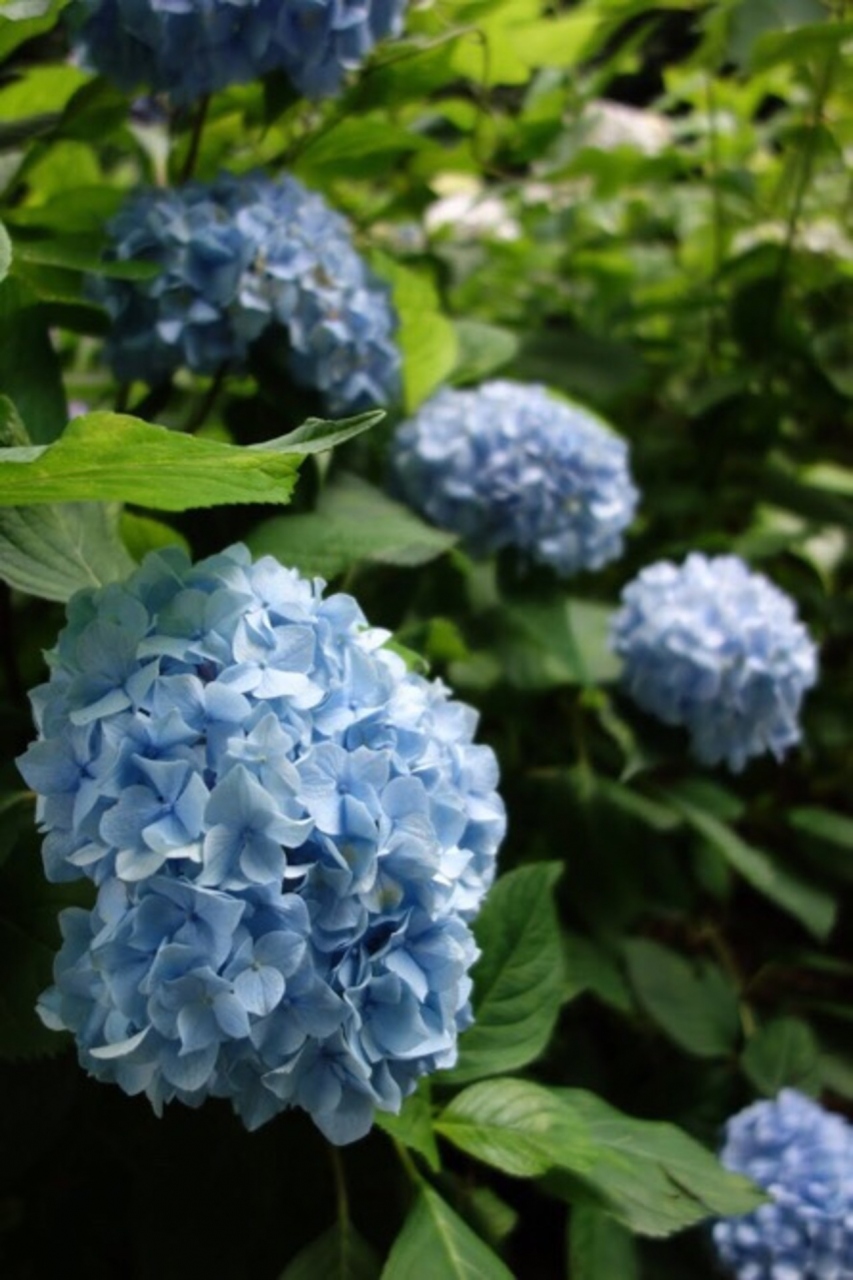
(803,1157)
(509,465)
(237,256)
(188,48)
(289,832)
(719,649)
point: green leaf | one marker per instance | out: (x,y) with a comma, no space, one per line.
(413,1126)
(426,337)
(649,1175)
(339,1254)
(356,147)
(833,828)
(16,26)
(30,374)
(817,40)
(815,908)
(112,457)
(29,940)
(599,1248)
(694,1004)
(482,349)
(5,252)
(590,968)
(54,550)
(40,91)
(353,523)
(784,1053)
(544,643)
(519,986)
(141,534)
(435,1243)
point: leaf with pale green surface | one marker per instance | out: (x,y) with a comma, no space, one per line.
(783,1054)
(113,457)
(694,1004)
(339,1254)
(51,551)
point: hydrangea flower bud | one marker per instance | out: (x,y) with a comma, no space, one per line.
(719,649)
(290,834)
(802,1156)
(188,48)
(509,465)
(236,257)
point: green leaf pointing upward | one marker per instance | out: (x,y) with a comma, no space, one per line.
(111,457)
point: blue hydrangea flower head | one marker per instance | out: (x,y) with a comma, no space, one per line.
(188,48)
(289,833)
(509,465)
(719,649)
(237,257)
(802,1156)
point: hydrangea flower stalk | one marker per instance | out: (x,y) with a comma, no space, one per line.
(720,650)
(802,1156)
(237,257)
(190,48)
(289,832)
(509,465)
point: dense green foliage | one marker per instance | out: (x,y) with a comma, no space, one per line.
(664,943)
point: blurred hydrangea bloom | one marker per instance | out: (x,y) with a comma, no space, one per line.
(803,1157)
(719,649)
(290,834)
(509,465)
(237,256)
(188,48)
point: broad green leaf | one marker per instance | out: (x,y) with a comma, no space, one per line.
(55,549)
(29,370)
(782,1054)
(20,22)
(834,828)
(426,337)
(413,1126)
(813,907)
(79,253)
(112,457)
(519,1127)
(590,968)
(649,1175)
(544,643)
(519,985)
(817,40)
(356,147)
(339,1254)
(694,1004)
(141,534)
(5,252)
(354,522)
(39,91)
(482,349)
(29,940)
(599,1248)
(435,1243)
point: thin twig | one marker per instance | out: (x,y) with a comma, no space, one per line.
(199,414)
(195,139)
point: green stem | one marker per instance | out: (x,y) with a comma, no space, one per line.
(714,168)
(341,1196)
(200,412)
(195,140)
(408,1163)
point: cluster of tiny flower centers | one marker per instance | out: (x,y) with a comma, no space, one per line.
(509,465)
(237,257)
(289,833)
(718,649)
(803,1157)
(188,48)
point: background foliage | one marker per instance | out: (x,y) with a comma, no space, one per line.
(646,207)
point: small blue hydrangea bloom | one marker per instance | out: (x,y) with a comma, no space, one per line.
(188,48)
(719,649)
(290,834)
(509,465)
(802,1156)
(236,257)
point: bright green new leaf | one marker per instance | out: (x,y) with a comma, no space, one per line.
(694,1004)
(435,1243)
(5,252)
(112,457)
(519,985)
(426,337)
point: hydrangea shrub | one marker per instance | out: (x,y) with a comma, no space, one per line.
(194,47)
(290,834)
(802,1156)
(237,257)
(509,465)
(714,647)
